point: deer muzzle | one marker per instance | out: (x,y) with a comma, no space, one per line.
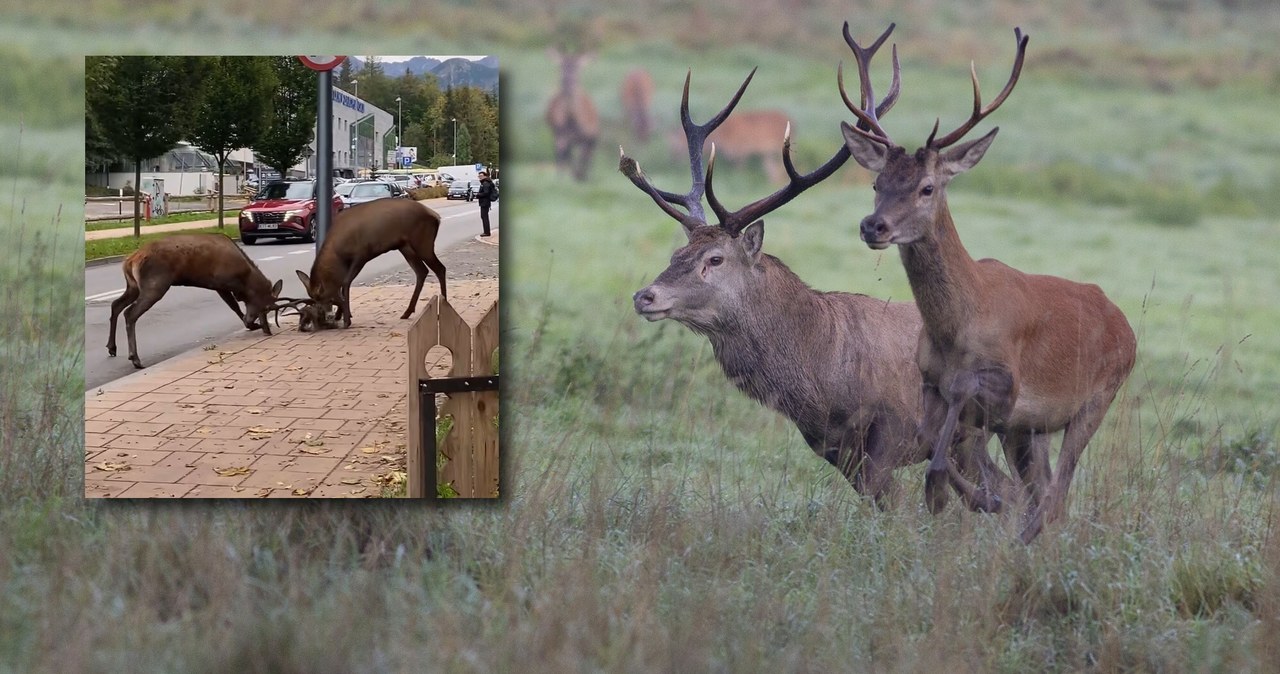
(649,303)
(875,232)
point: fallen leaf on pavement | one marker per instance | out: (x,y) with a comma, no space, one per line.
(233,471)
(314,450)
(350,480)
(113,467)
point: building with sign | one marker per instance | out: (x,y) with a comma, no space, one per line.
(364,137)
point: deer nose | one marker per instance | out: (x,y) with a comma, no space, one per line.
(874,228)
(643,298)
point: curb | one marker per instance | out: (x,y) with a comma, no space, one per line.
(102,261)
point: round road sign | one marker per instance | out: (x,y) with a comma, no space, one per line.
(322,62)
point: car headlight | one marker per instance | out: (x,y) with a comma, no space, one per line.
(289,215)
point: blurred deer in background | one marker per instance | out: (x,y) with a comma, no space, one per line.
(574,122)
(838,365)
(636,95)
(1020,354)
(749,136)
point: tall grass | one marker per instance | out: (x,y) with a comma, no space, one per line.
(656,519)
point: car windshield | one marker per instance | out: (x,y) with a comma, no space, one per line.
(344,189)
(461,184)
(370,190)
(293,190)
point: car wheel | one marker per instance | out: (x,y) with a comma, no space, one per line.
(312,230)
(248,240)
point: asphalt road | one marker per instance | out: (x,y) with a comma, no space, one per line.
(187,318)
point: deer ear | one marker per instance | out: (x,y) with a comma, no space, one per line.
(275,289)
(306,280)
(753,239)
(868,153)
(965,156)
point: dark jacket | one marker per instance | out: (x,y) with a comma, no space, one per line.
(487,190)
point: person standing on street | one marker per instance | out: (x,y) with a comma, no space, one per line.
(488,194)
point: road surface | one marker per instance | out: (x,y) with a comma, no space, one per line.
(187,318)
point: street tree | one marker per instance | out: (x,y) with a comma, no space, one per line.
(233,108)
(293,115)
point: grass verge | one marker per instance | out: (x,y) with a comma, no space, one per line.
(100,248)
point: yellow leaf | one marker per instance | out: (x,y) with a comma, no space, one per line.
(253,410)
(312,443)
(260,429)
(233,471)
(316,450)
(293,368)
(369,450)
(113,467)
(350,480)
(301,492)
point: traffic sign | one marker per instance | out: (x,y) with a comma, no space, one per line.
(322,62)
(408,161)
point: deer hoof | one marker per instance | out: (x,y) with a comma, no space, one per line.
(935,491)
(137,363)
(111,353)
(406,314)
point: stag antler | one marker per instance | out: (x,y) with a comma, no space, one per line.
(696,135)
(869,113)
(738,220)
(980,112)
(284,303)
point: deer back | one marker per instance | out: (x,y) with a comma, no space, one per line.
(365,231)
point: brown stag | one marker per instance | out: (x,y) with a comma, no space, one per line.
(359,234)
(574,122)
(210,261)
(838,365)
(636,94)
(1019,354)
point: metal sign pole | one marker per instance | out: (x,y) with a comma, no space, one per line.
(324,155)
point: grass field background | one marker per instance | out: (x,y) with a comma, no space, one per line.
(658,520)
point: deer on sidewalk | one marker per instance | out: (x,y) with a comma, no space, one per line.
(210,261)
(359,234)
(838,365)
(1019,354)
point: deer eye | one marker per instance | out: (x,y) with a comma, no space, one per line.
(926,190)
(715,261)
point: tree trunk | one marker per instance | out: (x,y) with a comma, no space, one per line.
(137,199)
(222,162)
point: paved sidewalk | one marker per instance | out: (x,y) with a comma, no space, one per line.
(291,415)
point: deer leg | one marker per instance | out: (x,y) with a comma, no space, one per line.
(131,315)
(876,470)
(344,304)
(1028,453)
(130,295)
(584,158)
(1075,437)
(976,478)
(420,272)
(230,299)
(935,481)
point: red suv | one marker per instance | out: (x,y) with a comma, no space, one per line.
(283,210)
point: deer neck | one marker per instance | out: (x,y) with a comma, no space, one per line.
(750,342)
(943,277)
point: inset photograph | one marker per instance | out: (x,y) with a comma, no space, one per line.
(291,276)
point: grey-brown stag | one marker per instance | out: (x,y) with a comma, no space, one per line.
(838,365)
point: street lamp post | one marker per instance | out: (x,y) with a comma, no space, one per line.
(455,139)
(399,132)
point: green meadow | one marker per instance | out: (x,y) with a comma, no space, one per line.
(654,519)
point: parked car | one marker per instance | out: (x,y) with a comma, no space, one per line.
(404,180)
(372,190)
(283,210)
(463,189)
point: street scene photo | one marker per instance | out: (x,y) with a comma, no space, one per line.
(292,263)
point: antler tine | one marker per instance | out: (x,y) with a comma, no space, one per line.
(869,112)
(696,135)
(738,220)
(980,112)
(631,169)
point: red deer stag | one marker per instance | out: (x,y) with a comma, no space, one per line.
(1020,354)
(636,94)
(210,261)
(838,365)
(572,116)
(359,234)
